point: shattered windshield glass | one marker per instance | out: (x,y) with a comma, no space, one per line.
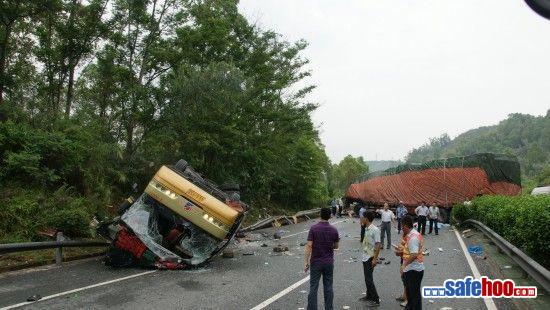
(167,235)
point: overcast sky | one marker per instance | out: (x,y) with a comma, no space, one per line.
(391,74)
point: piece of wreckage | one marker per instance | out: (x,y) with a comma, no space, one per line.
(180,220)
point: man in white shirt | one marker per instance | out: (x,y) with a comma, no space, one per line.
(385,229)
(422,212)
(433,215)
(371,250)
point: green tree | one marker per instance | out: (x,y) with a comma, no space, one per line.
(348,171)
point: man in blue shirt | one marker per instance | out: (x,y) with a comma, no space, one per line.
(401,211)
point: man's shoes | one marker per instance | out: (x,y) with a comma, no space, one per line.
(400,298)
(364,298)
(388,247)
(436,234)
(403,304)
(372,303)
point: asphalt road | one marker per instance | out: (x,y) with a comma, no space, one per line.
(242,282)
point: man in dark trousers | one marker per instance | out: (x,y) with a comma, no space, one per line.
(422,212)
(371,249)
(412,268)
(322,240)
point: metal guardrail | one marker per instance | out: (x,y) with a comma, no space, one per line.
(269,221)
(530,266)
(59,244)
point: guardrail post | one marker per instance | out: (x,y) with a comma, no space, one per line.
(59,250)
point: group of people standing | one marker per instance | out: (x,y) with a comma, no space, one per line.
(427,213)
(336,206)
(410,250)
(323,239)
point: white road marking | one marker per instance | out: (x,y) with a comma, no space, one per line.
(489,303)
(265,303)
(289,289)
(79,289)
(282,293)
(305,231)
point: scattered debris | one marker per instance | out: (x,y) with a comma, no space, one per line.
(387,263)
(34,298)
(475,249)
(248,253)
(427,252)
(435,264)
(381,258)
(467,230)
(431,301)
(240,234)
(280,248)
(345,307)
(506,267)
(303,243)
(303,291)
(446,308)
(263,245)
(228,253)
(455,250)
(278,234)
(468,235)
(266,263)
(440,249)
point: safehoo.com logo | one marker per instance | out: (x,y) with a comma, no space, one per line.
(479,288)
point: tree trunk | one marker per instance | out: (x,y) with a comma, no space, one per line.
(70,84)
(129,140)
(3,58)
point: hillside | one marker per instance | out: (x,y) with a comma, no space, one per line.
(525,136)
(379,165)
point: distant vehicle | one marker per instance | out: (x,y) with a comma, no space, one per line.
(443,182)
(180,220)
(542,190)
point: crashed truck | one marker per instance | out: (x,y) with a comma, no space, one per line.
(443,182)
(180,220)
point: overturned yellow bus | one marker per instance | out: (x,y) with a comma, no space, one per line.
(180,220)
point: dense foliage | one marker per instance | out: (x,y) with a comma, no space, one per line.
(525,136)
(521,220)
(341,175)
(96,95)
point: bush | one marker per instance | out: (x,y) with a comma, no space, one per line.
(27,211)
(522,220)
